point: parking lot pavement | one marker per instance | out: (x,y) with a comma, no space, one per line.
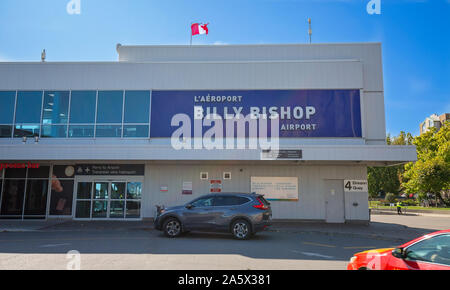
(130,245)
(149,249)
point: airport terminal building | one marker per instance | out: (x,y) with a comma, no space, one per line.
(95,140)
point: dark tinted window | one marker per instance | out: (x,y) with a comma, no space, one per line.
(110,104)
(16,172)
(41,172)
(137,106)
(56,108)
(82,107)
(5,131)
(29,107)
(207,201)
(229,200)
(7,100)
(61,197)
(29,130)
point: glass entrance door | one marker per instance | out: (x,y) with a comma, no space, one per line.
(108,200)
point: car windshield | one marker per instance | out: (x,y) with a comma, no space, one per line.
(434,250)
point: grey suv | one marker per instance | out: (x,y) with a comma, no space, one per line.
(241,214)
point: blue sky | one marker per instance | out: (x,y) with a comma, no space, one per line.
(415,35)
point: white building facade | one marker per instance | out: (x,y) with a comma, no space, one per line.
(93,140)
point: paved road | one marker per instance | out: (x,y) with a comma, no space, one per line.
(148,249)
(121,246)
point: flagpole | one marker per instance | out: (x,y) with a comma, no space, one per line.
(191,32)
(310,31)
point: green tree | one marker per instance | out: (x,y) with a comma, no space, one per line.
(388,179)
(383,179)
(431,173)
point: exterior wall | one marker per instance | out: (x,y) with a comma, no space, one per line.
(241,67)
(311,204)
(258,67)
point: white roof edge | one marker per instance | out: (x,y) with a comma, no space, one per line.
(183,61)
(251,45)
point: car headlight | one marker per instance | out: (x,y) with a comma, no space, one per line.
(353,259)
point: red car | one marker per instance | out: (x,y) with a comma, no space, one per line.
(430,252)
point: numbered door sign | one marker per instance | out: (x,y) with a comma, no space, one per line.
(356,186)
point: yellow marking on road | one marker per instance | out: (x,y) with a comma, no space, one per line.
(78,239)
(319,245)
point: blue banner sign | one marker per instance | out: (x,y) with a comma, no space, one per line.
(302,113)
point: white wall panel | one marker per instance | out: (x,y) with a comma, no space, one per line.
(311,204)
(181,76)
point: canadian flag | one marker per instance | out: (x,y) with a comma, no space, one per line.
(198,28)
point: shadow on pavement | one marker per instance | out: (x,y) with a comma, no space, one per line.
(290,241)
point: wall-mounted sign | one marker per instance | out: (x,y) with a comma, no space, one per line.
(356,186)
(281,154)
(276,188)
(110,169)
(164,188)
(216,186)
(302,113)
(187,187)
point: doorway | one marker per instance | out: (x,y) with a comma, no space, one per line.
(23,193)
(108,199)
(334,201)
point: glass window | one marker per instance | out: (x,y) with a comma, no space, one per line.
(118,190)
(36,197)
(28,108)
(434,250)
(56,108)
(135,131)
(61,197)
(82,107)
(84,190)
(108,131)
(41,172)
(54,131)
(5,131)
(207,201)
(100,209)
(12,199)
(229,200)
(16,172)
(81,131)
(101,190)
(28,130)
(117,209)
(83,209)
(133,209)
(7,100)
(134,190)
(110,104)
(137,106)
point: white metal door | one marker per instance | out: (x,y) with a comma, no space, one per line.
(334,201)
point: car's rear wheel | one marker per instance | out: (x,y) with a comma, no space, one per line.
(172,228)
(241,229)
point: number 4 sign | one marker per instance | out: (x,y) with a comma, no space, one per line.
(356,186)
